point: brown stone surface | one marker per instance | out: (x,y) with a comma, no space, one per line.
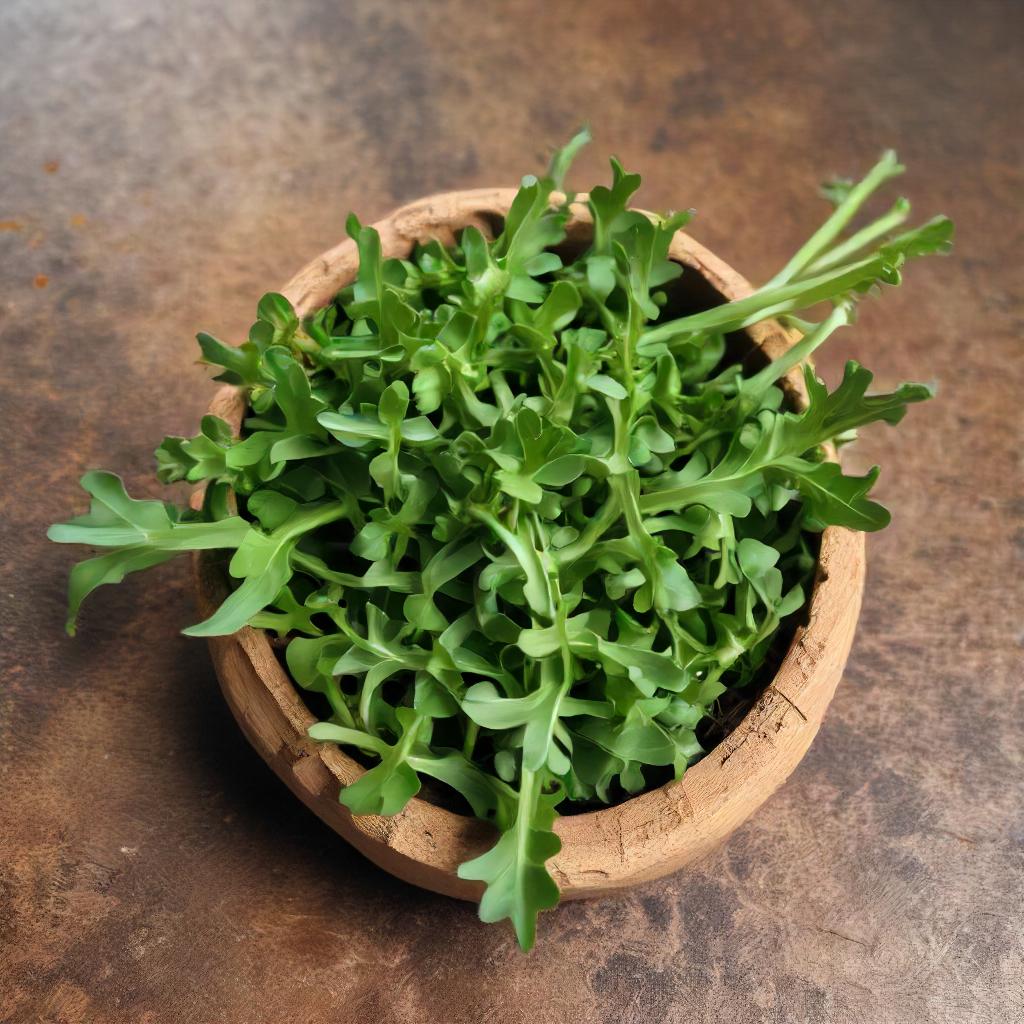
(161,166)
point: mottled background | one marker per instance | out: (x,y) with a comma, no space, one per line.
(163,164)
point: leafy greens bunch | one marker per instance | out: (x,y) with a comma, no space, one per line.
(520,522)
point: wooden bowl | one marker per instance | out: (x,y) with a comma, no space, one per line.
(641,839)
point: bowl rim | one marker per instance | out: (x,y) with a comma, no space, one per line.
(648,835)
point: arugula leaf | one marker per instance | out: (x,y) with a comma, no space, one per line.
(144,533)
(518,883)
(784,438)
(388,787)
(263,562)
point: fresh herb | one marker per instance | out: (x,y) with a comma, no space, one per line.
(537,520)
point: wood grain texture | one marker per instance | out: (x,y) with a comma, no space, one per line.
(602,851)
(152,869)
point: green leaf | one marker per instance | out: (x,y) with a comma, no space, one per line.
(112,567)
(647,670)
(390,785)
(561,471)
(143,532)
(358,430)
(328,732)
(562,159)
(608,205)
(833,499)
(277,311)
(290,616)
(518,883)
(608,386)
(518,486)
(538,712)
(241,365)
(263,563)
(783,439)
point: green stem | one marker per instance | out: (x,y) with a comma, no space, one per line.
(886,168)
(469,743)
(771,302)
(408,740)
(863,238)
(399,580)
(629,505)
(595,528)
(337,702)
(305,521)
(755,386)
(528,789)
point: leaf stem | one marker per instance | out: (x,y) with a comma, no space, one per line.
(887,167)
(861,239)
(469,743)
(753,387)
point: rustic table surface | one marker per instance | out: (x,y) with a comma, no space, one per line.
(162,166)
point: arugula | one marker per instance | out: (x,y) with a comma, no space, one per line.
(518,521)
